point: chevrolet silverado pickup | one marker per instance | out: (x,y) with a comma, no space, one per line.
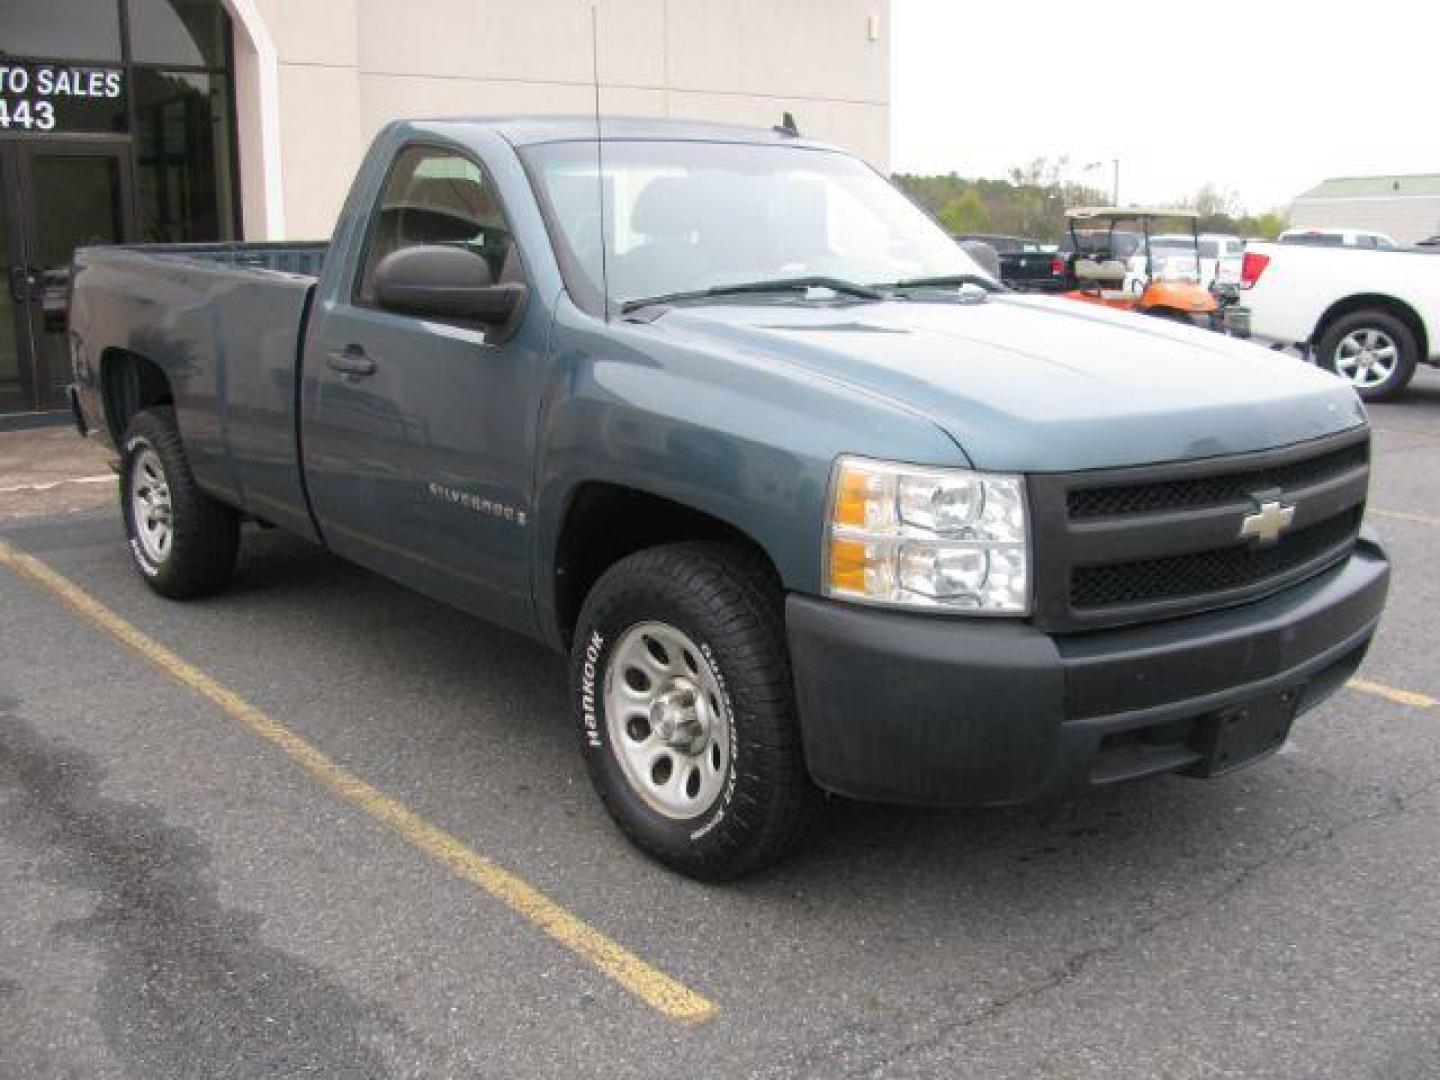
(812,503)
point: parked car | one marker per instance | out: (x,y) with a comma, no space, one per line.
(1429,242)
(811,504)
(1350,238)
(1025,264)
(1368,316)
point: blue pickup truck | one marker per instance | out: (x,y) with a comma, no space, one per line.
(812,503)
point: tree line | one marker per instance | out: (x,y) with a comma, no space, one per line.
(1031,200)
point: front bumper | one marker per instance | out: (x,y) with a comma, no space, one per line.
(952,711)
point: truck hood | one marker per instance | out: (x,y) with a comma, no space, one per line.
(1037,384)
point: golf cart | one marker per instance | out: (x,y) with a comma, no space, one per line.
(1106,267)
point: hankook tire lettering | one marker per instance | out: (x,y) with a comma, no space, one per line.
(587,689)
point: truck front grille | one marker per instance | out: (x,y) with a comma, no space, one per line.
(1090,502)
(1123,546)
(1214,571)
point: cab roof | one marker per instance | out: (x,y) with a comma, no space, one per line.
(533,130)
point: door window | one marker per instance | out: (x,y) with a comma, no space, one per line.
(437,196)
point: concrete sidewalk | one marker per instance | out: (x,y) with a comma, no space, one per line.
(52,470)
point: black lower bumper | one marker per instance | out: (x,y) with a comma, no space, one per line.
(957,711)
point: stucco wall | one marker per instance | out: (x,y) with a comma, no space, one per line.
(345,67)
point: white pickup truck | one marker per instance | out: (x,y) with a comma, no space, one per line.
(1370,316)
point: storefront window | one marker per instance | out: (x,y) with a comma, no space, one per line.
(188,32)
(182,157)
(74,29)
(116,125)
(61,98)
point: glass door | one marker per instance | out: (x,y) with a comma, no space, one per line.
(70,193)
(15,392)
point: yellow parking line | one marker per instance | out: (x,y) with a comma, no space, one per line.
(1400,515)
(649,984)
(1402,697)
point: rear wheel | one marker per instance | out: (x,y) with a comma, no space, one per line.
(1372,350)
(182,541)
(683,699)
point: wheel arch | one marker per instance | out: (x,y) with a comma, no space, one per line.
(1390,305)
(603,522)
(130,382)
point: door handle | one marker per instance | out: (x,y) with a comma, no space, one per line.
(22,284)
(350,360)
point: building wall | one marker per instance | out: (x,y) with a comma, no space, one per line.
(1407,218)
(346,67)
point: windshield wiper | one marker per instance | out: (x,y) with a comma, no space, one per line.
(836,285)
(941,280)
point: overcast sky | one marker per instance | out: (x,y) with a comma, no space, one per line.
(1264,98)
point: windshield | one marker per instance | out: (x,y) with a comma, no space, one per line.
(688,216)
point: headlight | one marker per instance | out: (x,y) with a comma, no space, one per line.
(927,538)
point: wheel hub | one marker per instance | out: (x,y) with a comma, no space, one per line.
(1367,357)
(680,719)
(151,507)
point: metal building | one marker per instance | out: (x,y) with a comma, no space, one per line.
(1405,207)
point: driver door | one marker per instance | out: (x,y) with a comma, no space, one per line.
(418,433)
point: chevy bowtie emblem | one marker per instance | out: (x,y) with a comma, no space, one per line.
(1267,523)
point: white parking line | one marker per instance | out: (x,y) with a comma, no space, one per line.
(107,478)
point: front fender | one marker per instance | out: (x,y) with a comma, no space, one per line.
(748,440)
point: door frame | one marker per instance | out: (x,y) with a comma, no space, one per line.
(16,156)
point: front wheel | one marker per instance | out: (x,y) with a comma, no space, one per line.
(182,541)
(1372,350)
(683,699)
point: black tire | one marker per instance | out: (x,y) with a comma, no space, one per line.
(204,532)
(1381,322)
(725,600)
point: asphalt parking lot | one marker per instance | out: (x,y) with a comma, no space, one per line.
(327,827)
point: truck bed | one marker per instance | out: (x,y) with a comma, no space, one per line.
(225,323)
(304,258)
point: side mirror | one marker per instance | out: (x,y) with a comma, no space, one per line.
(444,282)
